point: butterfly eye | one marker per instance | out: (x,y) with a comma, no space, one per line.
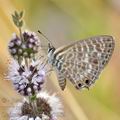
(49,49)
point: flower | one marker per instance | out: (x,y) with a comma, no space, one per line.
(27,73)
(27,80)
(45,107)
(25,46)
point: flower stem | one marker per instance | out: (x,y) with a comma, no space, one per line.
(33,104)
(21,36)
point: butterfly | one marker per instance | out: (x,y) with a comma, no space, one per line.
(82,61)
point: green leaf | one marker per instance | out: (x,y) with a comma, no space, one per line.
(17,18)
(21,14)
(15,21)
(14,18)
(20,23)
(17,24)
(16,15)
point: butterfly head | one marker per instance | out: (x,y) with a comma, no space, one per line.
(51,49)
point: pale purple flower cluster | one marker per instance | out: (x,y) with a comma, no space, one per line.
(27,80)
(27,74)
(25,46)
(25,71)
(48,107)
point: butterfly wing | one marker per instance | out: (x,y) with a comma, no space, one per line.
(83,61)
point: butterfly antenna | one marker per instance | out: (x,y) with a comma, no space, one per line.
(44,37)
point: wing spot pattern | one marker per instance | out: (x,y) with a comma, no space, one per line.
(84,60)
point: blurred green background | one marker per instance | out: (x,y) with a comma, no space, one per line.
(64,21)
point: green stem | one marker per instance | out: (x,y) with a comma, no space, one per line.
(21,36)
(34,106)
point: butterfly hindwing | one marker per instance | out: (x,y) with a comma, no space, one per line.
(83,61)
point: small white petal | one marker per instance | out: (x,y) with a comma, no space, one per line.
(35,87)
(14,118)
(36,37)
(16,57)
(23,46)
(37,118)
(35,48)
(18,42)
(29,33)
(33,33)
(23,118)
(31,118)
(29,90)
(25,54)
(21,81)
(37,79)
(15,111)
(22,86)
(13,50)
(42,72)
(31,55)
(11,44)
(30,45)
(36,43)
(20,51)
(31,40)
(45,117)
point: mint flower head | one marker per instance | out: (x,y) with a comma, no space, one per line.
(45,107)
(27,46)
(27,80)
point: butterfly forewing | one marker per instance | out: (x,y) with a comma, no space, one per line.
(83,61)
